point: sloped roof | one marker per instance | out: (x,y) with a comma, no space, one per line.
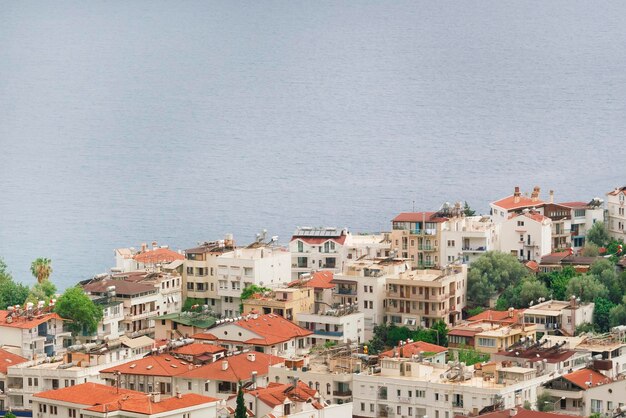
(414,348)
(240,367)
(520,413)
(25,322)
(158,255)
(509,202)
(87,394)
(154,365)
(276,393)
(418,217)
(582,377)
(122,287)
(499,316)
(319,280)
(142,404)
(271,328)
(9,359)
(196,349)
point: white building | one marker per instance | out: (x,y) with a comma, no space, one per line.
(527,235)
(502,209)
(7,359)
(368,246)
(260,265)
(145,259)
(553,315)
(82,363)
(269,334)
(318,249)
(465,238)
(616,213)
(92,400)
(339,325)
(408,387)
(33,331)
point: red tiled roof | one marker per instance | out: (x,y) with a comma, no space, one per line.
(581,377)
(530,215)
(276,393)
(9,359)
(159,365)
(414,348)
(532,265)
(499,316)
(197,349)
(86,394)
(465,332)
(141,404)
(206,336)
(509,202)
(318,280)
(574,204)
(240,367)
(159,255)
(418,217)
(617,191)
(270,328)
(320,240)
(520,413)
(122,287)
(24,322)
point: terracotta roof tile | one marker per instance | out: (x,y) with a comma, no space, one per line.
(197,349)
(318,280)
(24,322)
(509,203)
(86,394)
(499,316)
(154,365)
(520,413)
(414,348)
(276,393)
(122,287)
(141,404)
(240,367)
(581,377)
(159,255)
(418,217)
(9,359)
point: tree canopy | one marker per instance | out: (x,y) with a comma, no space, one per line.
(586,287)
(598,234)
(240,411)
(491,273)
(84,315)
(42,291)
(41,269)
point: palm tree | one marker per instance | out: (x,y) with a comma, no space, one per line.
(41,269)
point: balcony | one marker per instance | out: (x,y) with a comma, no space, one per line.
(328,333)
(139,333)
(345,291)
(49,339)
(474,250)
(427,247)
(15,384)
(140,316)
(457,404)
(342,393)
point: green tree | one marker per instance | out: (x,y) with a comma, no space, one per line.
(4,272)
(598,234)
(440,329)
(590,250)
(10,415)
(544,402)
(41,269)
(491,273)
(379,338)
(602,314)
(42,291)
(467,210)
(531,289)
(586,287)
(396,334)
(250,290)
(475,311)
(83,315)
(189,302)
(557,282)
(469,356)
(241,411)
(605,272)
(527,405)
(617,315)
(12,293)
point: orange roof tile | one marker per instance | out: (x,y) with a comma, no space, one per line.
(159,255)
(276,393)
(142,404)
(499,316)
(9,359)
(271,328)
(617,191)
(414,348)
(155,365)
(320,240)
(509,203)
(574,204)
(418,217)
(197,349)
(319,280)
(520,413)
(24,322)
(206,336)
(86,394)
(581,377)
(535,216)
(240,367)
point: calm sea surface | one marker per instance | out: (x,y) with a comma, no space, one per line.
(125,122)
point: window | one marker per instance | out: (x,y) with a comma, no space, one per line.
(596,406)
(190,271)
(450,243)
(72,413)
(520,223)
(486,342)
(362,406)
(188,385)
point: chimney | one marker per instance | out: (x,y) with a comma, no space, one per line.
(155,397)
(512,412)
(251,357)
(535,194)
(551,196)
(224,364)
(253,378)
(155,245)
(516,195)
(144,247)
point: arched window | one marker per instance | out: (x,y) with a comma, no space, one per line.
(328,388)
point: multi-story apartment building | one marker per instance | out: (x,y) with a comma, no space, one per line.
(616,213)
(417,236)
(465,238)
(422,297)
(318,249)
(501,210)
(287,302)
(555,315)
(415,387)
(34,331)
(368,246)
(217,272)
(7,359)
(527,235)
(339,325)
(329,372)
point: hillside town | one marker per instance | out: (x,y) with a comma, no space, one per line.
(447,314)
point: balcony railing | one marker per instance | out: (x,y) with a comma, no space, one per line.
(344,393)
(328,333)
(457,404)
(345,291)
(138,316)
